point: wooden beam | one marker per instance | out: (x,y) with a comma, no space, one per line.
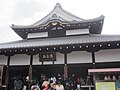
(30,71)
(93,57)
(93,61)
(31,59)
(7,72)
(30,67)
(65,58)
(65,66)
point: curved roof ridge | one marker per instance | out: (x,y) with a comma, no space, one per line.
(21,26)
(61,15)
(97,18)
(73,15)
(57,9)
(43,17)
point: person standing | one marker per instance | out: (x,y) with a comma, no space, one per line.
(17,84)
(45,84)
(59,86)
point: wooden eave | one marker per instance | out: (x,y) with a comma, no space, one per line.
(89,47)
(94,26)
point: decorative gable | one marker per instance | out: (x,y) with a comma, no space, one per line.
(58,13)
(60,23)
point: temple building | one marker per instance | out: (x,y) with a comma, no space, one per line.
(59,43)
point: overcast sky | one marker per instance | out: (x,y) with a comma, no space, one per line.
(26,12)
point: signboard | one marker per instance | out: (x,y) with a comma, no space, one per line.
(47,56)
(105,85)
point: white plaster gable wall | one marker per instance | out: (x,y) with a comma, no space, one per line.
(3,60)
(77,31)
(59,58)
(68,32)
(110,55)
(74,57)
(79,57)
(36,60)
(35,35)
(20,59)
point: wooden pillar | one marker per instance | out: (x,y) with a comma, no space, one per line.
(65,66)
(7,73)
(30,67)
(30,72)
(93,59)
(1,75)
(93,62)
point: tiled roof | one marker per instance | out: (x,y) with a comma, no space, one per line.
(60,41)
(65,19)
(58,13)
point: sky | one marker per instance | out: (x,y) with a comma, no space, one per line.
(27,12)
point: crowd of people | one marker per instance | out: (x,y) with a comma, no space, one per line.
(108,77)
(47,83)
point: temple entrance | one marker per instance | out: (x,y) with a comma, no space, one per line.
(21,71)
(80,70)
(48,70)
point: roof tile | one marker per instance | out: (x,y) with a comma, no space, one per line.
(86,39)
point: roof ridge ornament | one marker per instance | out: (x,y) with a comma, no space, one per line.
(54,15)
(58,5)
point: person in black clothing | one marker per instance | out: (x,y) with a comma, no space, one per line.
(11,83)
(68,84)
(73,85)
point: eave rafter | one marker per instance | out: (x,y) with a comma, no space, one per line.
(95,27)
(91,47)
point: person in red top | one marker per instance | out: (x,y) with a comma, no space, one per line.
(45,84)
